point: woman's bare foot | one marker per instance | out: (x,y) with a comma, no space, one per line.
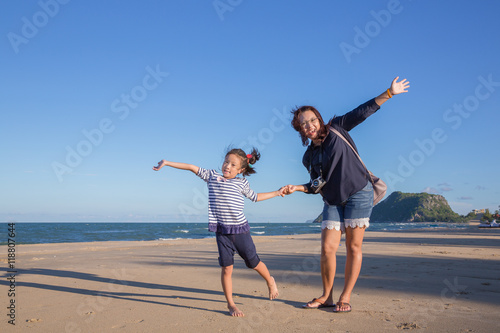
(234,311)
(273,290)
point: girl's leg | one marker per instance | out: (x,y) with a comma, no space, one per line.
(354,259)
(227,287)
(246,249)
(261,268)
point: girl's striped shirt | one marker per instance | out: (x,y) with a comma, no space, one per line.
(226,202)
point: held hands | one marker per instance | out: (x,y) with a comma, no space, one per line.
(288,189)
(281,191)
(284,191)
(160,165)
(399,87)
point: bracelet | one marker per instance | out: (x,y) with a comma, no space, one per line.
(389,93)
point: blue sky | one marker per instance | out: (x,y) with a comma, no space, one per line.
(95,93)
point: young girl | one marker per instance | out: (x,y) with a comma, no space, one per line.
(226,194)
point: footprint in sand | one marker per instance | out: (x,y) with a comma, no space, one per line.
(407,326)
(123,325)
(33,320)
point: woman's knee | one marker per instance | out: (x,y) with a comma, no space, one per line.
(354,240)
(329,248)
(354,247)
(330,241)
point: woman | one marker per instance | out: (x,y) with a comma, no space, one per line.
(343,182)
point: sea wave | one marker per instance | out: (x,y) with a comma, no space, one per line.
(181,238)
(165,239)
(108,231)
(38,233)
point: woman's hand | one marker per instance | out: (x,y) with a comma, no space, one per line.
(399,87)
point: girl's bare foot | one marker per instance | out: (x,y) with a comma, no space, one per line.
(234,311)
(273,290)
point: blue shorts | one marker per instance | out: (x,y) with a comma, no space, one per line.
(352,213)
(241,243)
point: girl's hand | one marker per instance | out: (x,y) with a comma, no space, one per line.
(160,165)
(399,87)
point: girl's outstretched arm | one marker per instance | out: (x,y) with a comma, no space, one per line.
(269,195)
(182,166)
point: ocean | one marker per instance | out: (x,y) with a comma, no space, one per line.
(39,233)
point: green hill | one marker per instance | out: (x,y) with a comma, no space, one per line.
(414,207)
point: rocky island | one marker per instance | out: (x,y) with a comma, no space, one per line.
(414,207)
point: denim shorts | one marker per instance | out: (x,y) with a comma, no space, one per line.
(241,243)
(354,212)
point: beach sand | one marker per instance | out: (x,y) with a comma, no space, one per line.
(435,281)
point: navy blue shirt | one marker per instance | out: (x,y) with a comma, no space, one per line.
(341,169)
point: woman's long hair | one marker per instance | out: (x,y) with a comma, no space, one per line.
(323,130)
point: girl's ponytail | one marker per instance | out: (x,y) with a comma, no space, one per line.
(254,156)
